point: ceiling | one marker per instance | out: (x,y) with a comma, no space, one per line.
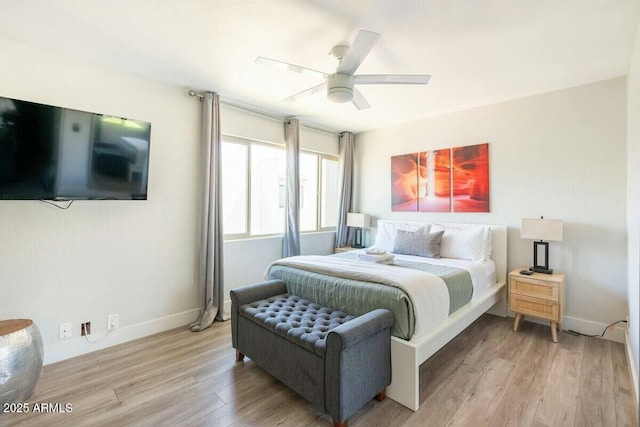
(478,52)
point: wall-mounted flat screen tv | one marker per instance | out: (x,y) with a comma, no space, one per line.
(55,153)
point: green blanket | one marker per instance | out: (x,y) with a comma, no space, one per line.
(359,297)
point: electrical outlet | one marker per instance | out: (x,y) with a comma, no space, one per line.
(65,330)
(113,321)
(85,329)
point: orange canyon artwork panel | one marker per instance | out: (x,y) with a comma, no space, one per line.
(445,180)
(471,178)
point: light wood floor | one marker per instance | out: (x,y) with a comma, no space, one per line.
(487,376)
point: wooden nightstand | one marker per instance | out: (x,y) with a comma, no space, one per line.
(344,249)
(537,295)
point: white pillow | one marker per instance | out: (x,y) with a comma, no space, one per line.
(465,242)
(387,231)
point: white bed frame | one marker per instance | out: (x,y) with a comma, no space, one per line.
(407,356)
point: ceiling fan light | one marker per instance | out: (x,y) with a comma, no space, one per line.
(340,87)
(340,94)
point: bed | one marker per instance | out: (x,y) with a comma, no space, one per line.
(432,299)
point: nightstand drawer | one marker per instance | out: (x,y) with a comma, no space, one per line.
(534,288)
(537,307)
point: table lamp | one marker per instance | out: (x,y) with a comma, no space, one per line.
(541,230)
(358,221)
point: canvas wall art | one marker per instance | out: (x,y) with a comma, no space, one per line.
(451,179)
(405,171)
(436,182)
(471,178)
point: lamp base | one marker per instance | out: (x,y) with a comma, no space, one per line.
(544,247)
(358,241)
(541,270)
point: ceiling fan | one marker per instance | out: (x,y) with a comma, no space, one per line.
(340,85)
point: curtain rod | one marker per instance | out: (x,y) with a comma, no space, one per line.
(200,95)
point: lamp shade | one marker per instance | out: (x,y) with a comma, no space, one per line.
(359,220)
(541,229)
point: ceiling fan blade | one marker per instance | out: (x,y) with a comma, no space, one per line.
(295,68)
(359,101)
(305,93)
(391,79)
(357,52)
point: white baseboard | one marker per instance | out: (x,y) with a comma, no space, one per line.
(66,349)
(632,369)
(226,309)
(593,328)
(583,326)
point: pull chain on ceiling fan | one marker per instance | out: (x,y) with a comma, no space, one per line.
(340,85)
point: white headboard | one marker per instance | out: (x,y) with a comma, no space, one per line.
(498,242)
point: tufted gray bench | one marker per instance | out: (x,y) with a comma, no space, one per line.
(336,361)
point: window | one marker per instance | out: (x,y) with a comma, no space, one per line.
(267,173)
(254,180)
(308,192)
(329,193)
(234,188)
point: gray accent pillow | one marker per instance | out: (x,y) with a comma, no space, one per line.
(419,243)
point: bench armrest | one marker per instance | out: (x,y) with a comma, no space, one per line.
(357,362)
(257,292)
(248,294)
(359,329)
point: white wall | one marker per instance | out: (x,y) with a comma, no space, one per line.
(247,260)
(133,258)
(561,155)
(633,206)
(137,259)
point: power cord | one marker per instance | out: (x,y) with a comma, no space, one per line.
(572,332)
(103,336)
(57,205)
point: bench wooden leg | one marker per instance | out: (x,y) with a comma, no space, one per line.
(239,356)
(379,397)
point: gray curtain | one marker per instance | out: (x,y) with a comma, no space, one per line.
(211,257)
(345,188)
(291,243)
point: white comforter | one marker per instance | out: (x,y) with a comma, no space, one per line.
(428,292)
